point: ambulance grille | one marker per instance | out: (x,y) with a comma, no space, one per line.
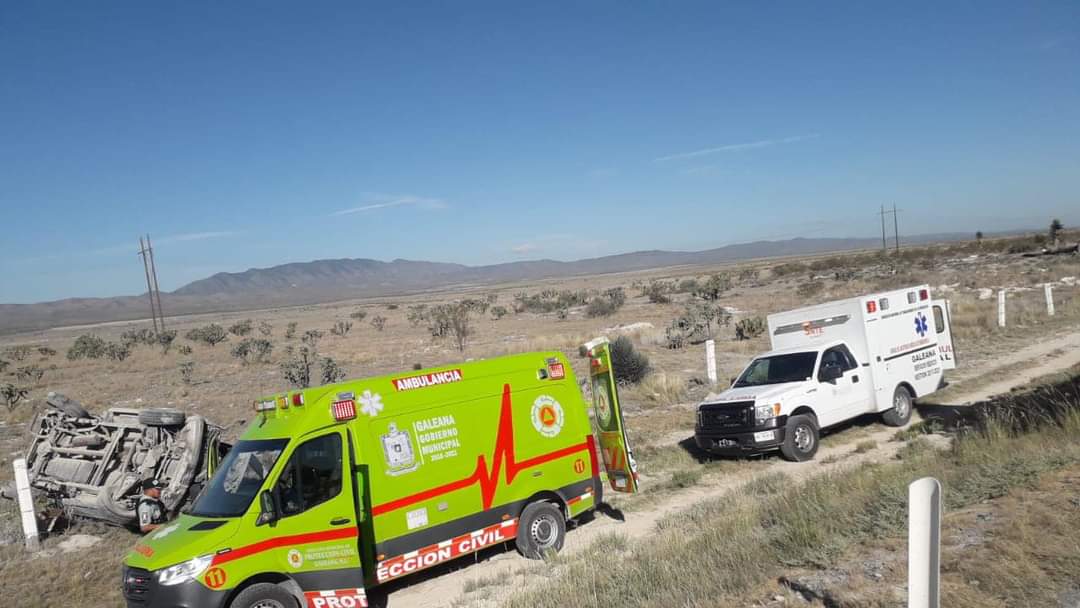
(136,584)
(728,416)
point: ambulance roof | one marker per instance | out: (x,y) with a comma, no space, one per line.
(806,348)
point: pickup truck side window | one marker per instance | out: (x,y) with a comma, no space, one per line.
(838,356)
(312,476)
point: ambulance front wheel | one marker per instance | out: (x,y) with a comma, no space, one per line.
(541,530)
(264,595)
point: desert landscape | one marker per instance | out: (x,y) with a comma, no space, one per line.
(828,532)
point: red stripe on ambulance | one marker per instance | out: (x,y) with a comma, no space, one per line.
(432,555)
(228,555)
(338,598)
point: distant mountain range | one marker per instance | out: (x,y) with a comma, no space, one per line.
(331,280)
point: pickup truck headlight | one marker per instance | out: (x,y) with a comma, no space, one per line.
(765,413)
(182,573)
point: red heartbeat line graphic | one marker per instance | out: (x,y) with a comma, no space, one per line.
(488,479)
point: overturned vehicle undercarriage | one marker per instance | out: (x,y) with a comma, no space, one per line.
(93,466)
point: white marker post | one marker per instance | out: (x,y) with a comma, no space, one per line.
(1001,308)
(710,360)
(1049,299)
(924,543)
(26,505)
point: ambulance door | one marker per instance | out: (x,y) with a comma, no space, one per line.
(614,446)
(943,327)
(315,509)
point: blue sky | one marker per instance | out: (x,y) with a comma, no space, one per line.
(249,134)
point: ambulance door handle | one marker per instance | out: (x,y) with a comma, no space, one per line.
(854,379)
(339,521)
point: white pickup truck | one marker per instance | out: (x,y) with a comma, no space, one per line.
(830,363)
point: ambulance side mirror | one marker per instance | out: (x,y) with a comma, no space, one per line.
(830,372)
(267,509)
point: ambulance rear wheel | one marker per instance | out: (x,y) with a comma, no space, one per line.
(541,530)
(801,440)
(265,595)
(900,413)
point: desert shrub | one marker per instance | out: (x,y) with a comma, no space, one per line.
(241,328)
(266,329)
(30,373)
(358,315)
(4,365)
(416,314)
(187,370)
(696,323)
(789,268)
(165,340)
(311,337)
(562,314)
(455,319)
(631,365)
(142,336)
(391,306)
(19,352)
(606,303)
(657,292)
(498,312)
(749,275)
(211,335)
(45,351)
(290,330)
(117,351)
(296,369)
(184,349)
(713,287)
(12,395)
(809,289)
(87,346)
(378,322)
(331,371)
(253,350)
(687,286)
(550,300)
(341,328)
(677,334)
(750,327)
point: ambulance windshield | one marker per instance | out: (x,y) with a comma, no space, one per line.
(238,478)
(778,369)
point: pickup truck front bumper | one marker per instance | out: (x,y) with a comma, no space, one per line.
(741,441)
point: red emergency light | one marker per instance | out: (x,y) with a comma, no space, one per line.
(343,410)
(298,399)
(871,306)
(924,294)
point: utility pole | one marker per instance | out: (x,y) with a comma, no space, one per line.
(895,224)
(157,290)
(884,245)
(149,285)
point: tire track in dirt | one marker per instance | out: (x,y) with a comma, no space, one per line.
(446,589)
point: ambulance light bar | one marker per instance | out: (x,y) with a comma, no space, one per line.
(265,406)
(298,399)
(343,410)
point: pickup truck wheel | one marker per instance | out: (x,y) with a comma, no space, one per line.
(264,595)
(801,441)
(900,413)
(161,416)
(541,528)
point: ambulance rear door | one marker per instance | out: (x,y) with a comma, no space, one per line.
(614,446)
(943,327)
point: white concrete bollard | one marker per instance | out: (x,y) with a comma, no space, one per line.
(1001,308)
(924,543)
(710,360)
(26,505)
(1049,299)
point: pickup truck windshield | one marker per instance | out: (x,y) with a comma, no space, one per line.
(238,478)
(778,369)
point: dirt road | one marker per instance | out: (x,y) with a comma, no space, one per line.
(446,589)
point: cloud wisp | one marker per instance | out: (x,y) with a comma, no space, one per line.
(764,143)
(384,202)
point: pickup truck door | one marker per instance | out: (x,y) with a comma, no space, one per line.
(614,446)
(943,327)
(852,391)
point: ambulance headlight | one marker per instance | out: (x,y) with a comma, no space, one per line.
(182,573)
(765,413)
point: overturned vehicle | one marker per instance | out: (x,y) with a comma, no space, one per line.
(93,466)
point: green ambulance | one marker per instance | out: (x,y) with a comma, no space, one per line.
(336,489)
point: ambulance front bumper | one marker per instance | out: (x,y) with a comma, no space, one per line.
(742,441)
(141,590)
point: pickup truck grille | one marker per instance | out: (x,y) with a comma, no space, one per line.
(727,415)
(136,584)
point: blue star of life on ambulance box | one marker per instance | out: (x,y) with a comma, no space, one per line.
(920,325)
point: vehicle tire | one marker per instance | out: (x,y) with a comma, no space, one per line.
(801,439)
(68,406)
(541,528)
(900,413)
(161,416)
(265,595)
